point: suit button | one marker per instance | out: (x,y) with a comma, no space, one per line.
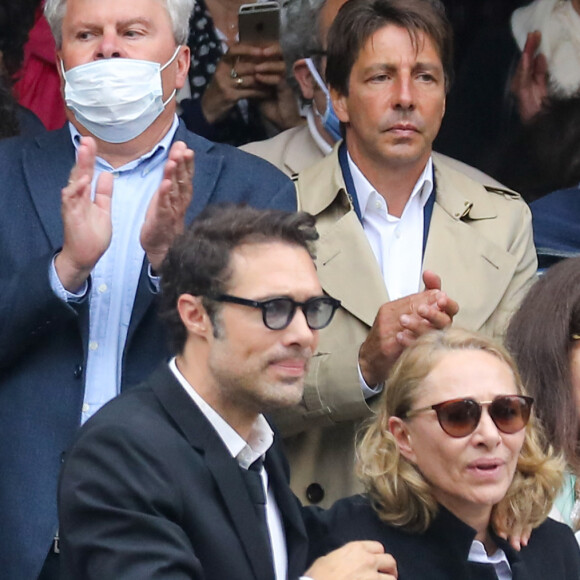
(62,456)
(78,372)
(314,493)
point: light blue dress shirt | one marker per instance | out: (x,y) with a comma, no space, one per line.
(115,277)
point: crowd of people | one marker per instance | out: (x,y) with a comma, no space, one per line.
(253,326)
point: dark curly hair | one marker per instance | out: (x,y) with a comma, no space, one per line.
(198,263)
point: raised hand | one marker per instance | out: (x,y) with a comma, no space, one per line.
(165,216)
(530,82)
(86,222)
(399,323)
(244,72)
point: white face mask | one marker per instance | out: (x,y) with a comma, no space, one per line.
(116,99)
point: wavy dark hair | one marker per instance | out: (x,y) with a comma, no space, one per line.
(540,337)
(198,263)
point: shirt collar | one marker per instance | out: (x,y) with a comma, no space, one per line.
(245,452)
(363,188)
(498,559)
(159,150)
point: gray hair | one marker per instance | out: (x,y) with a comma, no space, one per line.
(300,36)
(179,13)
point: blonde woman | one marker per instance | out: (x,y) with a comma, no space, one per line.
(454,448)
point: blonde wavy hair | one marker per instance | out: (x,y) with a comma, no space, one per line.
(397,489)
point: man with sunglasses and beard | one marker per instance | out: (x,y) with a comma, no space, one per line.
(183,478)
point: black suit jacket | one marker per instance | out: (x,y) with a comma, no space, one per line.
(441,552)
(149,490)
(44,341)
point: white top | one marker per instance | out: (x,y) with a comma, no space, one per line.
(498,560)
(396,242)
(246,452)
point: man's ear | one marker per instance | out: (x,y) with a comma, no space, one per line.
(339,104)
(59,69)
(194,315)
(400,431)
(304,78)
(183,63)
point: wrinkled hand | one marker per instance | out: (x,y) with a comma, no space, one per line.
(530,82)
(399,323)
(87,226)
(365,560)
(260,69)
(165,216)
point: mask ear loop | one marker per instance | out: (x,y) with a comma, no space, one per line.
(320,83)
(168,63)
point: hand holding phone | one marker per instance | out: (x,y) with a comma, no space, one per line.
(259,23)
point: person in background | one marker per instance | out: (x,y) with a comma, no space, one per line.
(15,22)
(544,339)
(544,155)
(453,450)
(237,92)
(38,83)
(508,74)
(304,44)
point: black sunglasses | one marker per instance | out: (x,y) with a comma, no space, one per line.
(460,417)
(277,313)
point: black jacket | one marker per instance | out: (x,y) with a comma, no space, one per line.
(441,552)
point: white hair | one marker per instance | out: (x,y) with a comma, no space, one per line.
(179,13)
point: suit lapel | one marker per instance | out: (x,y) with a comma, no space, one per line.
(223,467)
(300,151)
(207,171)
(45,178)
(480,271)
(347,267)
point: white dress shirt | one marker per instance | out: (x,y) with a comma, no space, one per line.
(498,560)
(396,242)
(246,452)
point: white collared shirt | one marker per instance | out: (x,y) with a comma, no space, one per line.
(246,452)
(396,242)
(498,560)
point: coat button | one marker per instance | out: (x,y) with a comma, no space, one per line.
(314,493)
(62,456)
(78,372)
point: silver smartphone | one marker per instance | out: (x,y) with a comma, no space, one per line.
(259,23)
